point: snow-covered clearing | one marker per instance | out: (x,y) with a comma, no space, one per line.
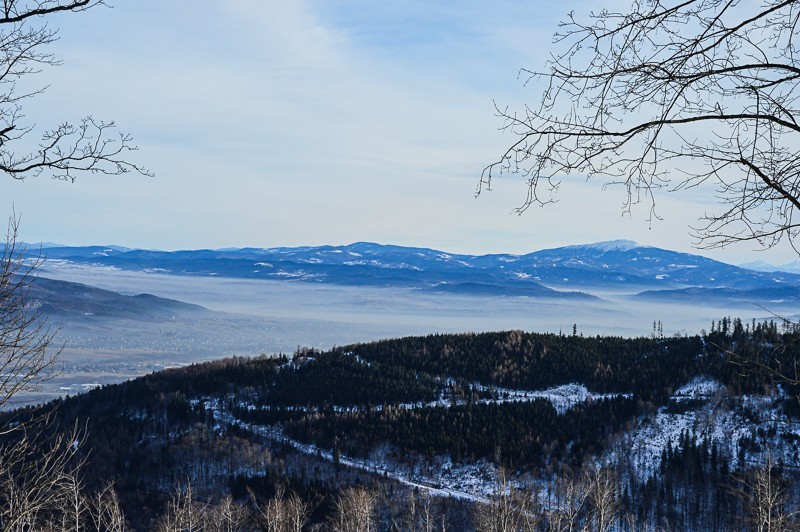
(562,397)
(702,408)
(438,476)
(721,418)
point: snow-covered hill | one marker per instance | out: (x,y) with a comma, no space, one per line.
(619,266)
(740,427)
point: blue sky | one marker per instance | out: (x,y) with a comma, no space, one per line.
(310,122)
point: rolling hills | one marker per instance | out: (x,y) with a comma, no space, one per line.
(571,272)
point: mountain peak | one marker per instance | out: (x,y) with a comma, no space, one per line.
(609,245)
(761,266)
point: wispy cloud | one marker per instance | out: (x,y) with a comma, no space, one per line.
(307,122)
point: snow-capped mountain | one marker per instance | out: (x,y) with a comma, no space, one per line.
(621,266)
(760,265)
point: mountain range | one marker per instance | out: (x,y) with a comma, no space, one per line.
(572,272)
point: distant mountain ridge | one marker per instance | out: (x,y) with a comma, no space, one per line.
(574,271)
(760,265)
(63,298)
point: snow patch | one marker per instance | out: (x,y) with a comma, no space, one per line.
(699,387)
(720,418)
(609,245)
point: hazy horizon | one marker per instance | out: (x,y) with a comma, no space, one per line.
(311,123)
(700,252)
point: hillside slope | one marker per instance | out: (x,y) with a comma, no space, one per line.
(443,413)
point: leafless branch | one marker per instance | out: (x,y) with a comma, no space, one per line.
(697,95)
(66,150)
(28,353)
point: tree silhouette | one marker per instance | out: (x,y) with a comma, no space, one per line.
(39,483)
(66,149)
(690,95)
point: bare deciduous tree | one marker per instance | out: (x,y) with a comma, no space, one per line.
(184,513)
(572,492)
(27,357)
(38,481)
(106,512)
(764,493)
(354,510)
(603,486)
(228,516)
(509,510)
(280,513)
(420,515)
(66,149)
(690,95)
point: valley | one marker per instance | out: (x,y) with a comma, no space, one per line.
(211,312)
(628,367)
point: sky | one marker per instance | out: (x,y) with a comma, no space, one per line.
(310,122)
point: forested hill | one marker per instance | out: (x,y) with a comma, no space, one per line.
(61,299)
(444,411)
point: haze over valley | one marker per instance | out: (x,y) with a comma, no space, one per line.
(210,304)
(541,269)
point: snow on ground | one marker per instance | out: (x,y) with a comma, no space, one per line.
(698,387)
(438,476)
(702,408)
(722,418)
(562,397)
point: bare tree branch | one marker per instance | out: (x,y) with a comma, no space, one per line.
(66,150)
(14,11)
(28,352)
(697,95)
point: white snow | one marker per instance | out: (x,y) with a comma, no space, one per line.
(699,387)
(723,419)
(438,476)
(562,397)
(610,245)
